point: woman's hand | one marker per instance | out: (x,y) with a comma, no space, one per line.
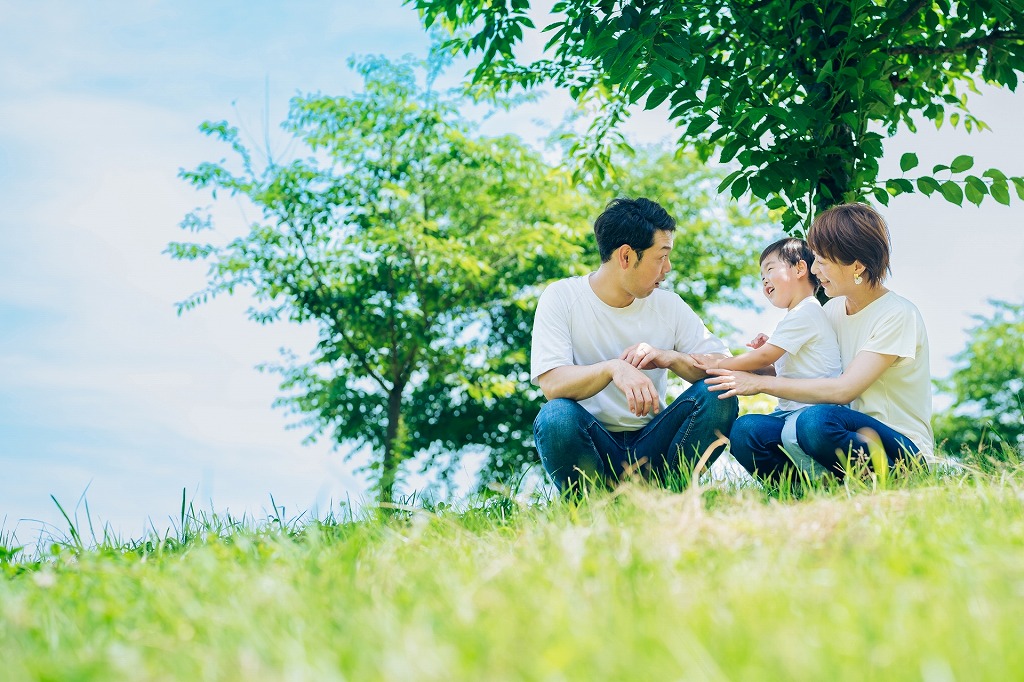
(729,383)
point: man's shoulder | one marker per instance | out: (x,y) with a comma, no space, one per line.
(564,294)
(566,285)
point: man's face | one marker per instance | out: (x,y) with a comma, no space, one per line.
(648,272)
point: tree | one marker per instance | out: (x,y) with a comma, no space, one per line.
(411,243)
(988,387)
(417,249)
(799,94)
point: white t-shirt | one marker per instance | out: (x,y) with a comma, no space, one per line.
(902,397)
(812,351)
(575,327)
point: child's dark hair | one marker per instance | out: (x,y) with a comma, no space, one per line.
(792,250)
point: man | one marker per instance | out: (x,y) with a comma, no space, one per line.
(602,348)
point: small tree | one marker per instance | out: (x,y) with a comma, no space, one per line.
(414,246)
(799,94)
(988,387)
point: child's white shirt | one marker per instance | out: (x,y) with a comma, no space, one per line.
(812,351)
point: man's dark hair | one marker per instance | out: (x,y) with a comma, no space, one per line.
(792,250)
(632,222)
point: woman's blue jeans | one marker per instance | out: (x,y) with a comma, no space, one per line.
(829,434)
(573,445)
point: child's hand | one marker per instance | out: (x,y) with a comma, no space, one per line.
(758,341)
(704,361)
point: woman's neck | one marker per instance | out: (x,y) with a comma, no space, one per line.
(863,297)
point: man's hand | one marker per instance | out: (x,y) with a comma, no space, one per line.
(758,341)
(640,392)
(646,356)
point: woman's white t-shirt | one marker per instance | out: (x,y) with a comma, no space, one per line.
(901,397)
(574,326)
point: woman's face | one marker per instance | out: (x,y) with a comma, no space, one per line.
(835,278)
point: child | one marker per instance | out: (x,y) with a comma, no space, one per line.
(803,344)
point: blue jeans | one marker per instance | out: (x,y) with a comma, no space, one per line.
(827,433)
(573,445)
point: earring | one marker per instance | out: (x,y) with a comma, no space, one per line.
(857,279)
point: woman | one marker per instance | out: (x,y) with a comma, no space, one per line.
(884,350)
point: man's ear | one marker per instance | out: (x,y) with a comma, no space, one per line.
(625,255)
(801,268)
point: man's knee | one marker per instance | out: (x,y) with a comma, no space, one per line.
(720,411)
(560,414)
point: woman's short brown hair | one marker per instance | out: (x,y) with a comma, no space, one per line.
(853,232)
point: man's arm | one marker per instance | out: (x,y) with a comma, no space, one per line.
(579,382)
(646,356)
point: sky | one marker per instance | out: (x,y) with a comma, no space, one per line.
(108,395)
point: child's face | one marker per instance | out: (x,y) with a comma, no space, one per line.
(783,284)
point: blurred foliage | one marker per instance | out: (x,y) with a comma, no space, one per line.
(800,94)
(987,416)
(417,248)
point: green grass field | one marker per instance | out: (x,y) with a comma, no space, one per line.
(921,581)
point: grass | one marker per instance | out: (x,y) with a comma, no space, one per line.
(919,578)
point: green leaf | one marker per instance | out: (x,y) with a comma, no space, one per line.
(730,149)
(1000,192)
(699,125)
(729,179)
(908,161)
(973,195)
(962,163)
(658,96)
(952,192)
(738,188)
(776,203)
(996,175)
(978,184)
(927,185)
(881,196)
(899,186)
(790,219)
(1018,184)
(939,167)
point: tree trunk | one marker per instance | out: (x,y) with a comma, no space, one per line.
(392,445)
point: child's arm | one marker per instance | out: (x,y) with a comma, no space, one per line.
(756,359)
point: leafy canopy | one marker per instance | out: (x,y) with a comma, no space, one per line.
(799,94)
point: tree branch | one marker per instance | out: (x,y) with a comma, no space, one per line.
(986,41)
(911,12)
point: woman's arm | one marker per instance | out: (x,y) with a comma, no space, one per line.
(862,372)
